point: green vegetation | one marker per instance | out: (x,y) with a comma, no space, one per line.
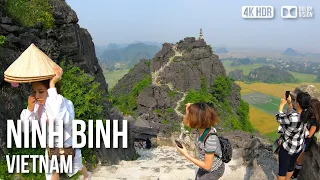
(272,135)
(269,74)
(172,94)
(148,63)
(31,13)
(165,121)
(300,77)
(246,68)
(217,96)
(266,103)
(21,151)
(112,77)
(169,110)
(135,156)
(221,88)
(82,90)
(304,77)
(128,103)
(243,113)
(3,40)
(157,111)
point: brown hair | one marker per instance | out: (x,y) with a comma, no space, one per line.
(46,83)
(315,105)
(201,116)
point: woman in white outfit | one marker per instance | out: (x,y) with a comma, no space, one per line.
(45,104)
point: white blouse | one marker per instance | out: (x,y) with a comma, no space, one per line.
(56,108)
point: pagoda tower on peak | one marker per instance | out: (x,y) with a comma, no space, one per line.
(201,34)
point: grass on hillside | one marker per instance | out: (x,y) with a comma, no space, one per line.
(112,77)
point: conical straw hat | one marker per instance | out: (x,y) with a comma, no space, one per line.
(30,64)
(28,79)
(22,78)
(25,80)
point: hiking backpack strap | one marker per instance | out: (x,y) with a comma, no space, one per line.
(205,139)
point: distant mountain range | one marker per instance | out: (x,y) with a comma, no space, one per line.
(130,54)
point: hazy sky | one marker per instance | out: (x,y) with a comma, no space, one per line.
(126,21)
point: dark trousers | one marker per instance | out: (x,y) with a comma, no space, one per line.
(213,175)
(286,161)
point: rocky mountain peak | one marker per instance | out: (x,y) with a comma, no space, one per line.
(184,64)
(173,72)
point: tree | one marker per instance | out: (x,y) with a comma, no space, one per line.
(221,88)
(83,91)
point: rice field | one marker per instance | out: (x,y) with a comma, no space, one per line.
(265,123)
(246,68)
(266,103)
(112,77)
(276,90)
(262,113)
(303,77)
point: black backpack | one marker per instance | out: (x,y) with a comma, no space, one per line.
(226,148)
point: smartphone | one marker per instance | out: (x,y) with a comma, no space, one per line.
(287,94)
(178,144)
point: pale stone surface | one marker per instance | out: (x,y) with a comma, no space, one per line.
(163,163)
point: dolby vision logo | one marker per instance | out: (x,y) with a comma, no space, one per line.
(289,12)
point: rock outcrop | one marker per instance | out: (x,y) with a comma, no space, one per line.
(236,75)
(175,70)
(192,60)
(67,40)
(135,75)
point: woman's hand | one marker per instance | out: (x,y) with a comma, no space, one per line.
(289,101)
(31,103)
(183,150)
(283,102)
(58,71)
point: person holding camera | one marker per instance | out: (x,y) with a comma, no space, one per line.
(292,129)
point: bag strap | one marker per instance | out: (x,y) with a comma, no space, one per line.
(205,139)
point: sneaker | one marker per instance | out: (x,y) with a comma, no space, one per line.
(89,176)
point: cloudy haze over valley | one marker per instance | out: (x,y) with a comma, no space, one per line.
(111,21)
